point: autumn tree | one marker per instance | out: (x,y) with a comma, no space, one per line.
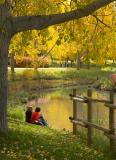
(11,23)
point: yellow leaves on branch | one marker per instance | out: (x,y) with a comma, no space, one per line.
(2,1)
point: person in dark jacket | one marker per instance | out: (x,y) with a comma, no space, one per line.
(28,114)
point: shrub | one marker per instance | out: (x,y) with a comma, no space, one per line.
(113,79)
(16,113)
(23,62)
(43,63)
(32,62)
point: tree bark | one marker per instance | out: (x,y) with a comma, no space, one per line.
(88,59)
(12,63)
(78,61)
(4,43)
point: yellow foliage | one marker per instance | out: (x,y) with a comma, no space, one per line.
(2,1)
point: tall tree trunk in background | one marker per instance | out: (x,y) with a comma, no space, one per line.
(105,62)
(52,60)
(71,63)
(78,61)
(4,42)
(87,59)
(12,63)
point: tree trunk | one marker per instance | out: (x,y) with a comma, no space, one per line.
(4,42)
(12,61)
(71,64)
(87,59)
(52,60)
(78,61)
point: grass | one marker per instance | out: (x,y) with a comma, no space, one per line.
(31,142)
(62,73)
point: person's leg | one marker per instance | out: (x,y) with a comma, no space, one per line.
(37,122)
(43,121)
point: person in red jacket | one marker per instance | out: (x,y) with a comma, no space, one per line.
(35,115)
(37,118)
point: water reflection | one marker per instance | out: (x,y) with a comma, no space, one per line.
(56,107)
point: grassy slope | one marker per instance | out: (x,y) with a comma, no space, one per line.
(29,142)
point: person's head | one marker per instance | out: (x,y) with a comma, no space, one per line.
(37,109)
(30,108)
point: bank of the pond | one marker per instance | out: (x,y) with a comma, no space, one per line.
(29,142)
(97,76)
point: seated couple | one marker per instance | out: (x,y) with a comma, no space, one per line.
(35,117)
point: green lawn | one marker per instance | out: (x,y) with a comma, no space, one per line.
(29,142)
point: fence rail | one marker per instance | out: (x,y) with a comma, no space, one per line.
(109,132)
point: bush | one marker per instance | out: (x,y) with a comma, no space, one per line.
(32,62)
(113,79)
(23,62)
(16,113)
(41,63)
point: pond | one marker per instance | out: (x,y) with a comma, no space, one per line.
(57,107)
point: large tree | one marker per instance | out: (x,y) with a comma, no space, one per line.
(10,25)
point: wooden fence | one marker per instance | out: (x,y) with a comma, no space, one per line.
(109,132)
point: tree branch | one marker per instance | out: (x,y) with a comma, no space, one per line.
(8,3)
(101,21)
(23,23)
(48,51)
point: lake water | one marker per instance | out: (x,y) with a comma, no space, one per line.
(56,107)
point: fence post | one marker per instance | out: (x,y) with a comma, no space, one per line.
(111,122)
(74,112)
(89,117)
